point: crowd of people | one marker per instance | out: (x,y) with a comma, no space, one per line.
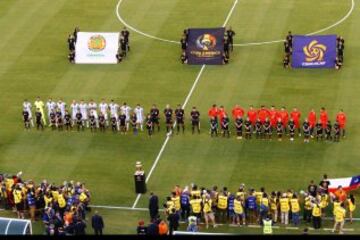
(263,122)
(249,206)
(61,208)
(228,42)
(288,49)
(124,45)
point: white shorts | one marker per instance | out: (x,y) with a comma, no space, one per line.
(84,116)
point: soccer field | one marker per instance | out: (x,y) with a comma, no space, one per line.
(34,63)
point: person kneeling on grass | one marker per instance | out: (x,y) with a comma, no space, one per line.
(192,227)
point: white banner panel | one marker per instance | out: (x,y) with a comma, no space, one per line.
(96,48)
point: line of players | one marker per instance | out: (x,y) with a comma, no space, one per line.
(121,117)
(263,122)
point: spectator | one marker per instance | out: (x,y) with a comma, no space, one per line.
(80,227)
(173,219)
(153,228)
(163,227)
(97,223)
(153,206)
(316,215)
(141,229)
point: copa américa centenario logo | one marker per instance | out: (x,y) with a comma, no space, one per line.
(206,42)
(314,51)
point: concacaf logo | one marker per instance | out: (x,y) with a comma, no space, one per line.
(314,51)
(206,42)
(96,43)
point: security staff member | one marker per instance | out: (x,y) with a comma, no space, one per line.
(316,215)
(267,229)
(222,205)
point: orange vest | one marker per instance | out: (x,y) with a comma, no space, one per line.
(163,228)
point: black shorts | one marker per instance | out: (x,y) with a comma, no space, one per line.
(155,120)
(195,123)
(168,121)
(20,206)
(180,121)
(239,129)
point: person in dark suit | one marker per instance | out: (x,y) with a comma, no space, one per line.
(97,223)
(153,206)
(173,219)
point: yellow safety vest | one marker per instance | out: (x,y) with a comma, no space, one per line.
(207,206)
(308,203)
(316,212)
(47,200)
(194,193)
(196,205)
(273,203)
(352,206)
(265,202)
(82,197)
(284,205)
(176,201)
(258,196)
(324,201)
(336,205)
(267,226)
(61,201)
(340,214)
(17,196)
(222,202)
(238,208)
(295,207)
(241,194)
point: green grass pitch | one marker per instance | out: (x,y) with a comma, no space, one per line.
(33,62)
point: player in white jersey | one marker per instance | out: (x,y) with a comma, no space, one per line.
(50,105)
(61,105)
(27,107)
(114,109)
(74,110)
(126,109)
(93,108)
(84,112)
(104,107)
(139,111)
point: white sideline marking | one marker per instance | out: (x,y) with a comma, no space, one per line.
(235,44)
(183,106)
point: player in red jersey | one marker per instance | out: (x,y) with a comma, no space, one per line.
(312,121)
(284,116)
(296,115)
(213,111)
(273,113)
(323,117)
(221,113)
(237,111)
(341,119)
(252,115)
(263,113)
